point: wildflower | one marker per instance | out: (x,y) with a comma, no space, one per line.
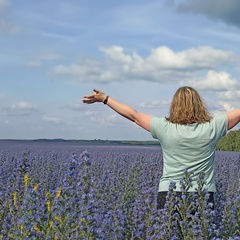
(48,205)
(35,188)
(50,224)
(36,229)
(15,199)
(26,179)
(48,194)
(57,218)
(58,193)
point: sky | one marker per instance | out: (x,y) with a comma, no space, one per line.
(139,52)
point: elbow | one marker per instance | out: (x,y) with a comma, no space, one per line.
(133,116)
(133,119)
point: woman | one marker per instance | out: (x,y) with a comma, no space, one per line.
(188,137)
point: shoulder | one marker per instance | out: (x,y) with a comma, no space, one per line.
(220,123)
(220,119)
(156,121)
(156,125)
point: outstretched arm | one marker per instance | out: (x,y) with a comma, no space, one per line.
(141,119)
(233,118)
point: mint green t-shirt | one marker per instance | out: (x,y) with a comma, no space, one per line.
(188,147)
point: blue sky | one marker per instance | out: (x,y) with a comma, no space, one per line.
(139,52)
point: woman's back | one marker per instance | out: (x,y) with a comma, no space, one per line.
(188,147)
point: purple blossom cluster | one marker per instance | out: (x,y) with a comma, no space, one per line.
(63,191)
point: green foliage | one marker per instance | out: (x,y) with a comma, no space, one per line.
(230,142)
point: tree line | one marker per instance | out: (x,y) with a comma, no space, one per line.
(230,142)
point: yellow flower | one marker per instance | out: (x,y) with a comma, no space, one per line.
(51,223)
(15,199)
(57,218)
(36,229)
(35,188)
(58,193)
(48,194)
(55,237)
(26,179)
(48,205)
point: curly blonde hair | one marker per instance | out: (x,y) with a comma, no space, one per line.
(187,107)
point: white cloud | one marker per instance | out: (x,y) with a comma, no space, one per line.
(23,105)
(85,69)
(113,120)
(116,53)
(231,96)
(204,57)
(164,58)
(162,65)
(230,99)
(89,113)
(227,107)
(106,120)
(154,104)
(106,76)
(216,81)
(53,120)
(20,108)
(221,107)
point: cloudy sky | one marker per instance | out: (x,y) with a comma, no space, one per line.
(139,52)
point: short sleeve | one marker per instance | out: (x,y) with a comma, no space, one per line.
(221,125)
(153,127)
(156,125)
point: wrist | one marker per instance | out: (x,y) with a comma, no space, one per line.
(105,99)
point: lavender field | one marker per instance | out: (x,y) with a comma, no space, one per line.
(71,191)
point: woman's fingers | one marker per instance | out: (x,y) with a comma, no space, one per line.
(89,96)
(98,96)
(92,95)
(88,100)
(95,90)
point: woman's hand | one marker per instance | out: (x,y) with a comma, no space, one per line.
(98,96)
(141,119)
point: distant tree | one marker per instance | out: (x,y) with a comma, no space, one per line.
(230,142)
